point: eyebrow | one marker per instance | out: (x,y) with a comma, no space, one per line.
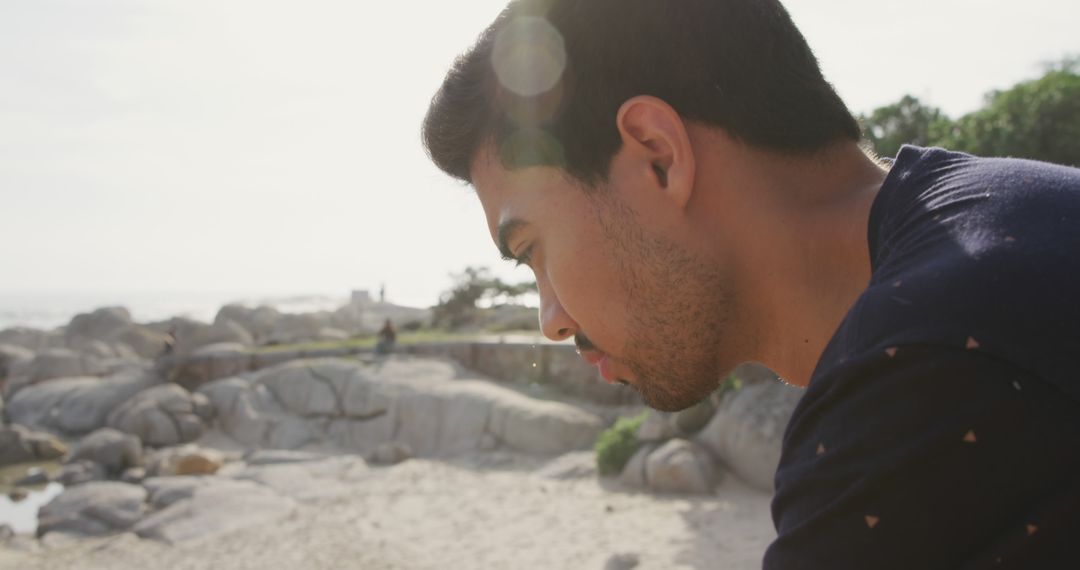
(506,231)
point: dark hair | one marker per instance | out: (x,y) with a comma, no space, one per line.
(740,65)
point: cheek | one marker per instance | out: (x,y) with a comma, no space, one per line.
(586,280)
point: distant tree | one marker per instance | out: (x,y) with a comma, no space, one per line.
(1037,119)
(908,121)
(459,306)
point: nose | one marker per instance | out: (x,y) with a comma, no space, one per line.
(555,323)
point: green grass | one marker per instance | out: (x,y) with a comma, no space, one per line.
(617,445)
(404,339)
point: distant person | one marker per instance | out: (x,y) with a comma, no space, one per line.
(690,193)
(387,338)
(170,342)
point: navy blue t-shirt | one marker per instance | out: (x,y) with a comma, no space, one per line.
(941,427)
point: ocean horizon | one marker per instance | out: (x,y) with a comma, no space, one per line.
(50,309)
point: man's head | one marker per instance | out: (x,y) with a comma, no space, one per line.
(580,123)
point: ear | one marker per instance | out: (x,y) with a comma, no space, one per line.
(655,137)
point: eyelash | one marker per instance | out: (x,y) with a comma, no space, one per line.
(523,258)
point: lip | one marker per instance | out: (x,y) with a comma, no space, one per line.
(602,362)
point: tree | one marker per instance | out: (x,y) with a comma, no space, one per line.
(907,121)
(1037,119)
(459,306)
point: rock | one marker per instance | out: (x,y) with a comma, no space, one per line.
(13,360)
(76,405)
(624,561)
(98,349)
(657,427)
(693,419)
(114,450)
(25,337)
(79,472)
(279,456)
(144,341)
(202,406)
(259,321)
(6,533)
(680,466)
(33,476)
(294,328)
(101,324)
(19,444)
(165,491)
(160,416)
(214,509)
(633,474)
(488,442)
(411,402)
(209,363)
(95,508)
(133,475)
(18,495)
(391,453)
(184,460)
(573,465)
(57,363)
(747,431)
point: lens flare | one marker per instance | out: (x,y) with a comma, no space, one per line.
(529,56)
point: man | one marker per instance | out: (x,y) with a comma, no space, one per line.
(690,194)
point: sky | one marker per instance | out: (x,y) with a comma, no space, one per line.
(268,147)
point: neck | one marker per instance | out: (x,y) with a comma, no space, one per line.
(803,259)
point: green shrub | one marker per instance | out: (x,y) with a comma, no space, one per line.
(617,444)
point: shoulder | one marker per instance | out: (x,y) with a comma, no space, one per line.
(921,457)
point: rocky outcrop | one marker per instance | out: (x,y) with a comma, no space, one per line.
(160,416)
(747,431)
(13,360)
(114,450)
(184,460)
(93,509)
(30,339)
(677,466)
(211,363)
(76,405)
(19,445)
(419,403)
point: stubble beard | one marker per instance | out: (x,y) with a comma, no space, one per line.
(678,310)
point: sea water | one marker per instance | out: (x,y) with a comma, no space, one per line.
(50,309)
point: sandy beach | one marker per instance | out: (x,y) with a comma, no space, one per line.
(482,511)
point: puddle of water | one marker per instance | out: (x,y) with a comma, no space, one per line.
(22,516)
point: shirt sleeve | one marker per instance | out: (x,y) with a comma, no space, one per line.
(927,457)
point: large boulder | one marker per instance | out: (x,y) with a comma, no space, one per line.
(215,506)
(259,321)
(422,404)
(210,363)
(100,324)
(144,341)
(62,363)
(680,466)
(76,405)
(13,360)
(293,328)
(19,445)
(114,450)
(747,431)
(187,459)
(160,416)
(28,338)
(93,509)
